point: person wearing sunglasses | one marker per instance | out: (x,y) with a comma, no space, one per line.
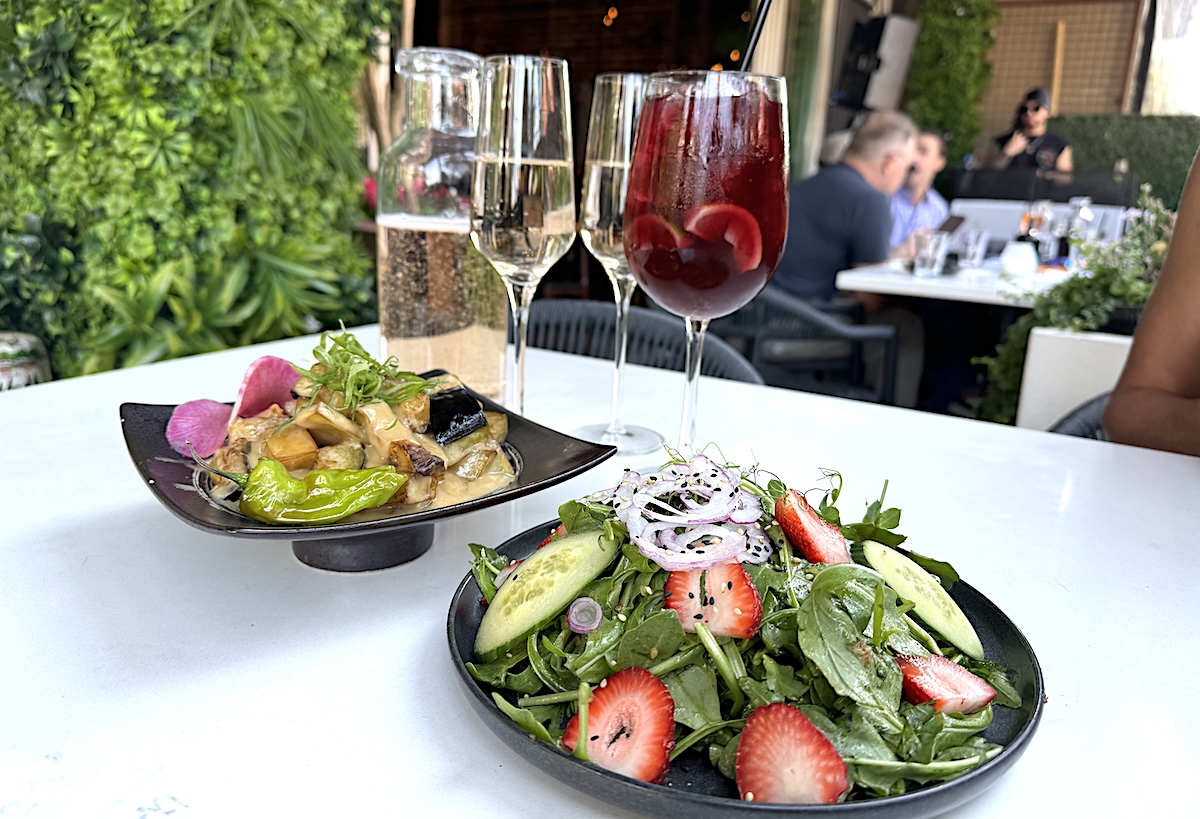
(1029,145)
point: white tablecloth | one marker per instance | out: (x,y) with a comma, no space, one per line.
(151,669)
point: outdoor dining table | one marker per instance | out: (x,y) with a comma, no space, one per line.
(976,285)
(148,668)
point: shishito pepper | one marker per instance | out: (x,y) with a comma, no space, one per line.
(271,495)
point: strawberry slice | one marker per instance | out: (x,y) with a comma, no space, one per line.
(729,604)
(731,224)
(631,725)
(561,531)
(783,757)
(817,538)
(948,686)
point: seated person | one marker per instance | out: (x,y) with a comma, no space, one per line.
(1156,402)
(1029,145)
(917,206)
(841,218)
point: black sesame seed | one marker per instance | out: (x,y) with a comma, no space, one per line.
(712,601)
(596,737)
(691,596)
(729,585)
(698,616)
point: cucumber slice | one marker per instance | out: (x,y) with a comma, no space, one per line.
(930,601)
(540,588)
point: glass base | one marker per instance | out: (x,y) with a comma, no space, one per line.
(635,441)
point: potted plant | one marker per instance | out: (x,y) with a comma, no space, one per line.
(1108,295)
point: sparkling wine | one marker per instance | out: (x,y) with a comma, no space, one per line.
(603,215)
(441,305)
(526,215)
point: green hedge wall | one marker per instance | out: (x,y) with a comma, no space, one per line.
(178,176)
(1159,149)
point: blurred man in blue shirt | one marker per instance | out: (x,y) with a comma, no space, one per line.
(917,206)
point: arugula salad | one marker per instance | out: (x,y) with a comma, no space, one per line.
(700,609)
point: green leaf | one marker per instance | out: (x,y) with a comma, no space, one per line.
(651,641)
(694,690)
(524,718)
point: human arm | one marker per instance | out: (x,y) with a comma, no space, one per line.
(1156,402)
(869,242)
(1065,161)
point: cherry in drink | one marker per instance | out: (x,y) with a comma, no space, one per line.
(706,213)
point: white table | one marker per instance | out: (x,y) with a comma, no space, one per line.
(151,669)
(982,285)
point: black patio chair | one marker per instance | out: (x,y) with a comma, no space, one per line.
(1085,421)
(656,339)
(795,344)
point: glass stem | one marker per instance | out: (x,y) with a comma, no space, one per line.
(623,287)
(520,296)
(695,348)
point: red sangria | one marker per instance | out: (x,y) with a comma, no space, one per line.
(706,210)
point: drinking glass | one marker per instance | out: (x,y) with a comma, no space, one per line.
(522,192)
(930,253)
(616,101)
(706,211)
(441,304)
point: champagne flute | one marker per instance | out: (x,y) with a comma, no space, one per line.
(706,210)
(616,101)
(522,193)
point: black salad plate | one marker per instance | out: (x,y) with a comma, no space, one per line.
(695,789)
(371,539)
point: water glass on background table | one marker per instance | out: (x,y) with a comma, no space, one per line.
(616,101)
(974,250)
(441,305)
(706,211)
(522,197)
(930,253)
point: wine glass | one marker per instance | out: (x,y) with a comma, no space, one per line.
(522,192)
(706,210)
(616,101)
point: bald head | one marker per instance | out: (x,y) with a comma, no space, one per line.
(882,150)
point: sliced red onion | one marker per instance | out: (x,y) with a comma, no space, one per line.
(718,521)
(201,423)
(584,615)
(268,380)
(758,546)
(504,573)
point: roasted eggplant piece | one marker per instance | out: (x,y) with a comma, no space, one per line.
(411,458)
(453,413)
(417,489)
(328,426)
(346,455)
(292,446)
(415,412)
(258,426)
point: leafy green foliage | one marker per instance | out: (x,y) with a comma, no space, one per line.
(949,71)
(1118,275)
(1159,149)
(39,268)
(193,166)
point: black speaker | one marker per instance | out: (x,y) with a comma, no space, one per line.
(875,67)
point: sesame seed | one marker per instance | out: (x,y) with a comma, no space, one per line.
(737,611)
(697,616)
(749,797)
(508,654)
(653,653)
(622,617)
(595,738)
(648,590)
(604,683)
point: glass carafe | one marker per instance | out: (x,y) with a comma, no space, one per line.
(441,304)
